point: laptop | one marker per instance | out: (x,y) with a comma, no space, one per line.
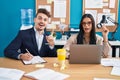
(85,54)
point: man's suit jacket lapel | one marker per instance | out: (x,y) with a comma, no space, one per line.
(43,43)
(34,39)
(43,47)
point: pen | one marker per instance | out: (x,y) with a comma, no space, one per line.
(30,55)
(27,51)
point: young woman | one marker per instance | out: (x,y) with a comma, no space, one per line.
(87,35)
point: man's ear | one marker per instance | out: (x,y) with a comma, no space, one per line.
(34,19)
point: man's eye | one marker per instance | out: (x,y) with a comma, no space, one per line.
(45,19)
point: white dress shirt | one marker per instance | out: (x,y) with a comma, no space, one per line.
(39,39)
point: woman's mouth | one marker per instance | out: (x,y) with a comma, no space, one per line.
(86,28)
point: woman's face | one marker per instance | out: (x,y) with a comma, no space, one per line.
(87,25)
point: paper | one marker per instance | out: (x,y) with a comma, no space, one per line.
(51,26)
(46,74)
(34,60)
(55,22)
(60,8)
(93,3)
(107,11)
(105,1)
(110,62)
(11,74)
(112,4)
(105,4)
(47,7)
(115,71)
(103,79)
(49,1)
(62,20)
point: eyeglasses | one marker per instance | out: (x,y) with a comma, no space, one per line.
(88,23)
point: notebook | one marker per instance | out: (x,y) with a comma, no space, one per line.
(35,60)
(85,54)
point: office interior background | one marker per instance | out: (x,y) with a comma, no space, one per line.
(10,18)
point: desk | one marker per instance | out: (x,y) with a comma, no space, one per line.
(114,45)
(76,71)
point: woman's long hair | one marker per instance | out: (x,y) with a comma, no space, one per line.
(80,36)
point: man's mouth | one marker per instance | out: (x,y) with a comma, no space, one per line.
(40,24)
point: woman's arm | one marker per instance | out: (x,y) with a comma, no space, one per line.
(70,41)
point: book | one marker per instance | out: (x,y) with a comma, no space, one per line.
(35,60)
(46,74)
(11,74)
(115,71)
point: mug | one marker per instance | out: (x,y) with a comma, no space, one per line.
(61,55)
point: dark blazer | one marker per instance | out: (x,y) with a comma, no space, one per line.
(26,40)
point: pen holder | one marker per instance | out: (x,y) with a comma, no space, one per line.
(61,55)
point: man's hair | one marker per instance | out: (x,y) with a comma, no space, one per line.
(44,11)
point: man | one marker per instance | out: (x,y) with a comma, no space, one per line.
(34,41)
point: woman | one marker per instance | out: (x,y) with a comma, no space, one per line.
(87,35)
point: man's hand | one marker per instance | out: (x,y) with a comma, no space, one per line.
(26,56)
(50,40)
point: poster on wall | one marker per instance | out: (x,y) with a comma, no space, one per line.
(95,3)
(60,8)
(109,18)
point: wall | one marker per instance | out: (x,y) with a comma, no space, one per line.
(76,12)
(10,18)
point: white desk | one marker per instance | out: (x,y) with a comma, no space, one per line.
(114,45)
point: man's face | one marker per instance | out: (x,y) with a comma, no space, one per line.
(41,21)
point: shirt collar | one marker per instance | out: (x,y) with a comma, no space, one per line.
(37,31)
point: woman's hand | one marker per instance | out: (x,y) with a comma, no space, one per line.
(105,32)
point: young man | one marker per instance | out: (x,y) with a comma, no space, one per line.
(34,41)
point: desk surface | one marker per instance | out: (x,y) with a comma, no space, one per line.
(76,71)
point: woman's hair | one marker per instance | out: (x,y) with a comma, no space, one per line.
(80,36)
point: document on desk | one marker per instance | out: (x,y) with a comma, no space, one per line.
(11,74)
(103,79)
(110,62)
(34,60)
(115,71)
(46,74)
